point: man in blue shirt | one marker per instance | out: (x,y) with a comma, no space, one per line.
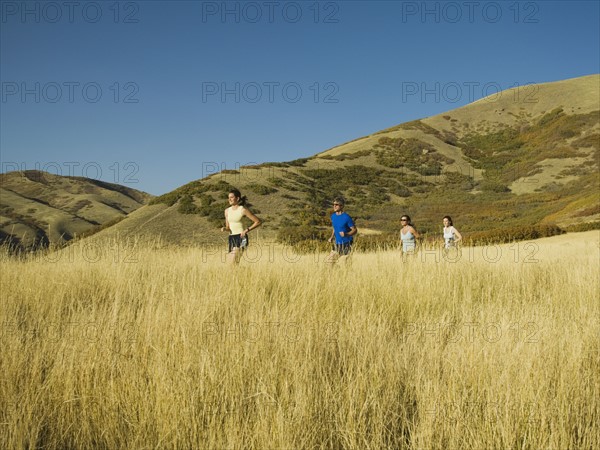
(343,228)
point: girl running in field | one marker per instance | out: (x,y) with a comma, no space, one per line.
(238,235)
(451,234)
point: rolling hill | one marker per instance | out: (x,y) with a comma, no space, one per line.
(38,208)
(525,157)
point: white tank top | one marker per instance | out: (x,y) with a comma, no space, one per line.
(449,236)
(234,217)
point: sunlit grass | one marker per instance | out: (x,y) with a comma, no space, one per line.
(148,347)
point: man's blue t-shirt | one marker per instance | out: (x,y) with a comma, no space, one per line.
(341,222)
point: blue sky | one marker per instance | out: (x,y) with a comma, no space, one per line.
(154,94)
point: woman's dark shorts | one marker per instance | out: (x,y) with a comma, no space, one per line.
(235,241)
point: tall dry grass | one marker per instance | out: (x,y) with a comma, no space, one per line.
(140,347)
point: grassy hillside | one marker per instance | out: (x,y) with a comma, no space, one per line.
(38,208)
(524,158)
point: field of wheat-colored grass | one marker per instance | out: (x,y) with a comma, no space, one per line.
(118,347)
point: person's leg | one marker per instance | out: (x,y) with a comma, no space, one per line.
(233,257)
(345,254)
(405,254)
(408,250)
(332,258)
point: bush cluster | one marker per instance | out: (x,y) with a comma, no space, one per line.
(514,152)
(519,233)
(587,226)
(410,153)
(347,156)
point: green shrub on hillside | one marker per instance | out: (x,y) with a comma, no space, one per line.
(550,117)
(292,235)
(514,152)
(266,164)
(168,199)
(342,178)
(555,128)
(221,186)
(588,226)
(410,153)
(187,205)
(456,180)
(591,140)
(347,156)
(98,228)
(510,234)
(279,182)
(589,211)
(298,162)
(190,189)
(214,214)
(488,150)
(206,200)
(400,190)
(492,186)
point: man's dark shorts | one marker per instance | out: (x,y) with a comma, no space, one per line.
(343,249)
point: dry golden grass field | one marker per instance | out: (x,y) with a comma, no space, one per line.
(123,347)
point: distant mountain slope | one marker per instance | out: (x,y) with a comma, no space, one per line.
(524,157)
(39,208)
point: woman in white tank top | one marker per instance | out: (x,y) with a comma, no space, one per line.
(451,234)
(408,236)
(238,235)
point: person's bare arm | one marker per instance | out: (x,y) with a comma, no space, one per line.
(458,235)
(332,235)
(255,222)
(226,227)
(414,232)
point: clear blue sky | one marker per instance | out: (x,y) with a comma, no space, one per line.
(153,94)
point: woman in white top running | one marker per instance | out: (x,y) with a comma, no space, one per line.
(238,235)
(451,234)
